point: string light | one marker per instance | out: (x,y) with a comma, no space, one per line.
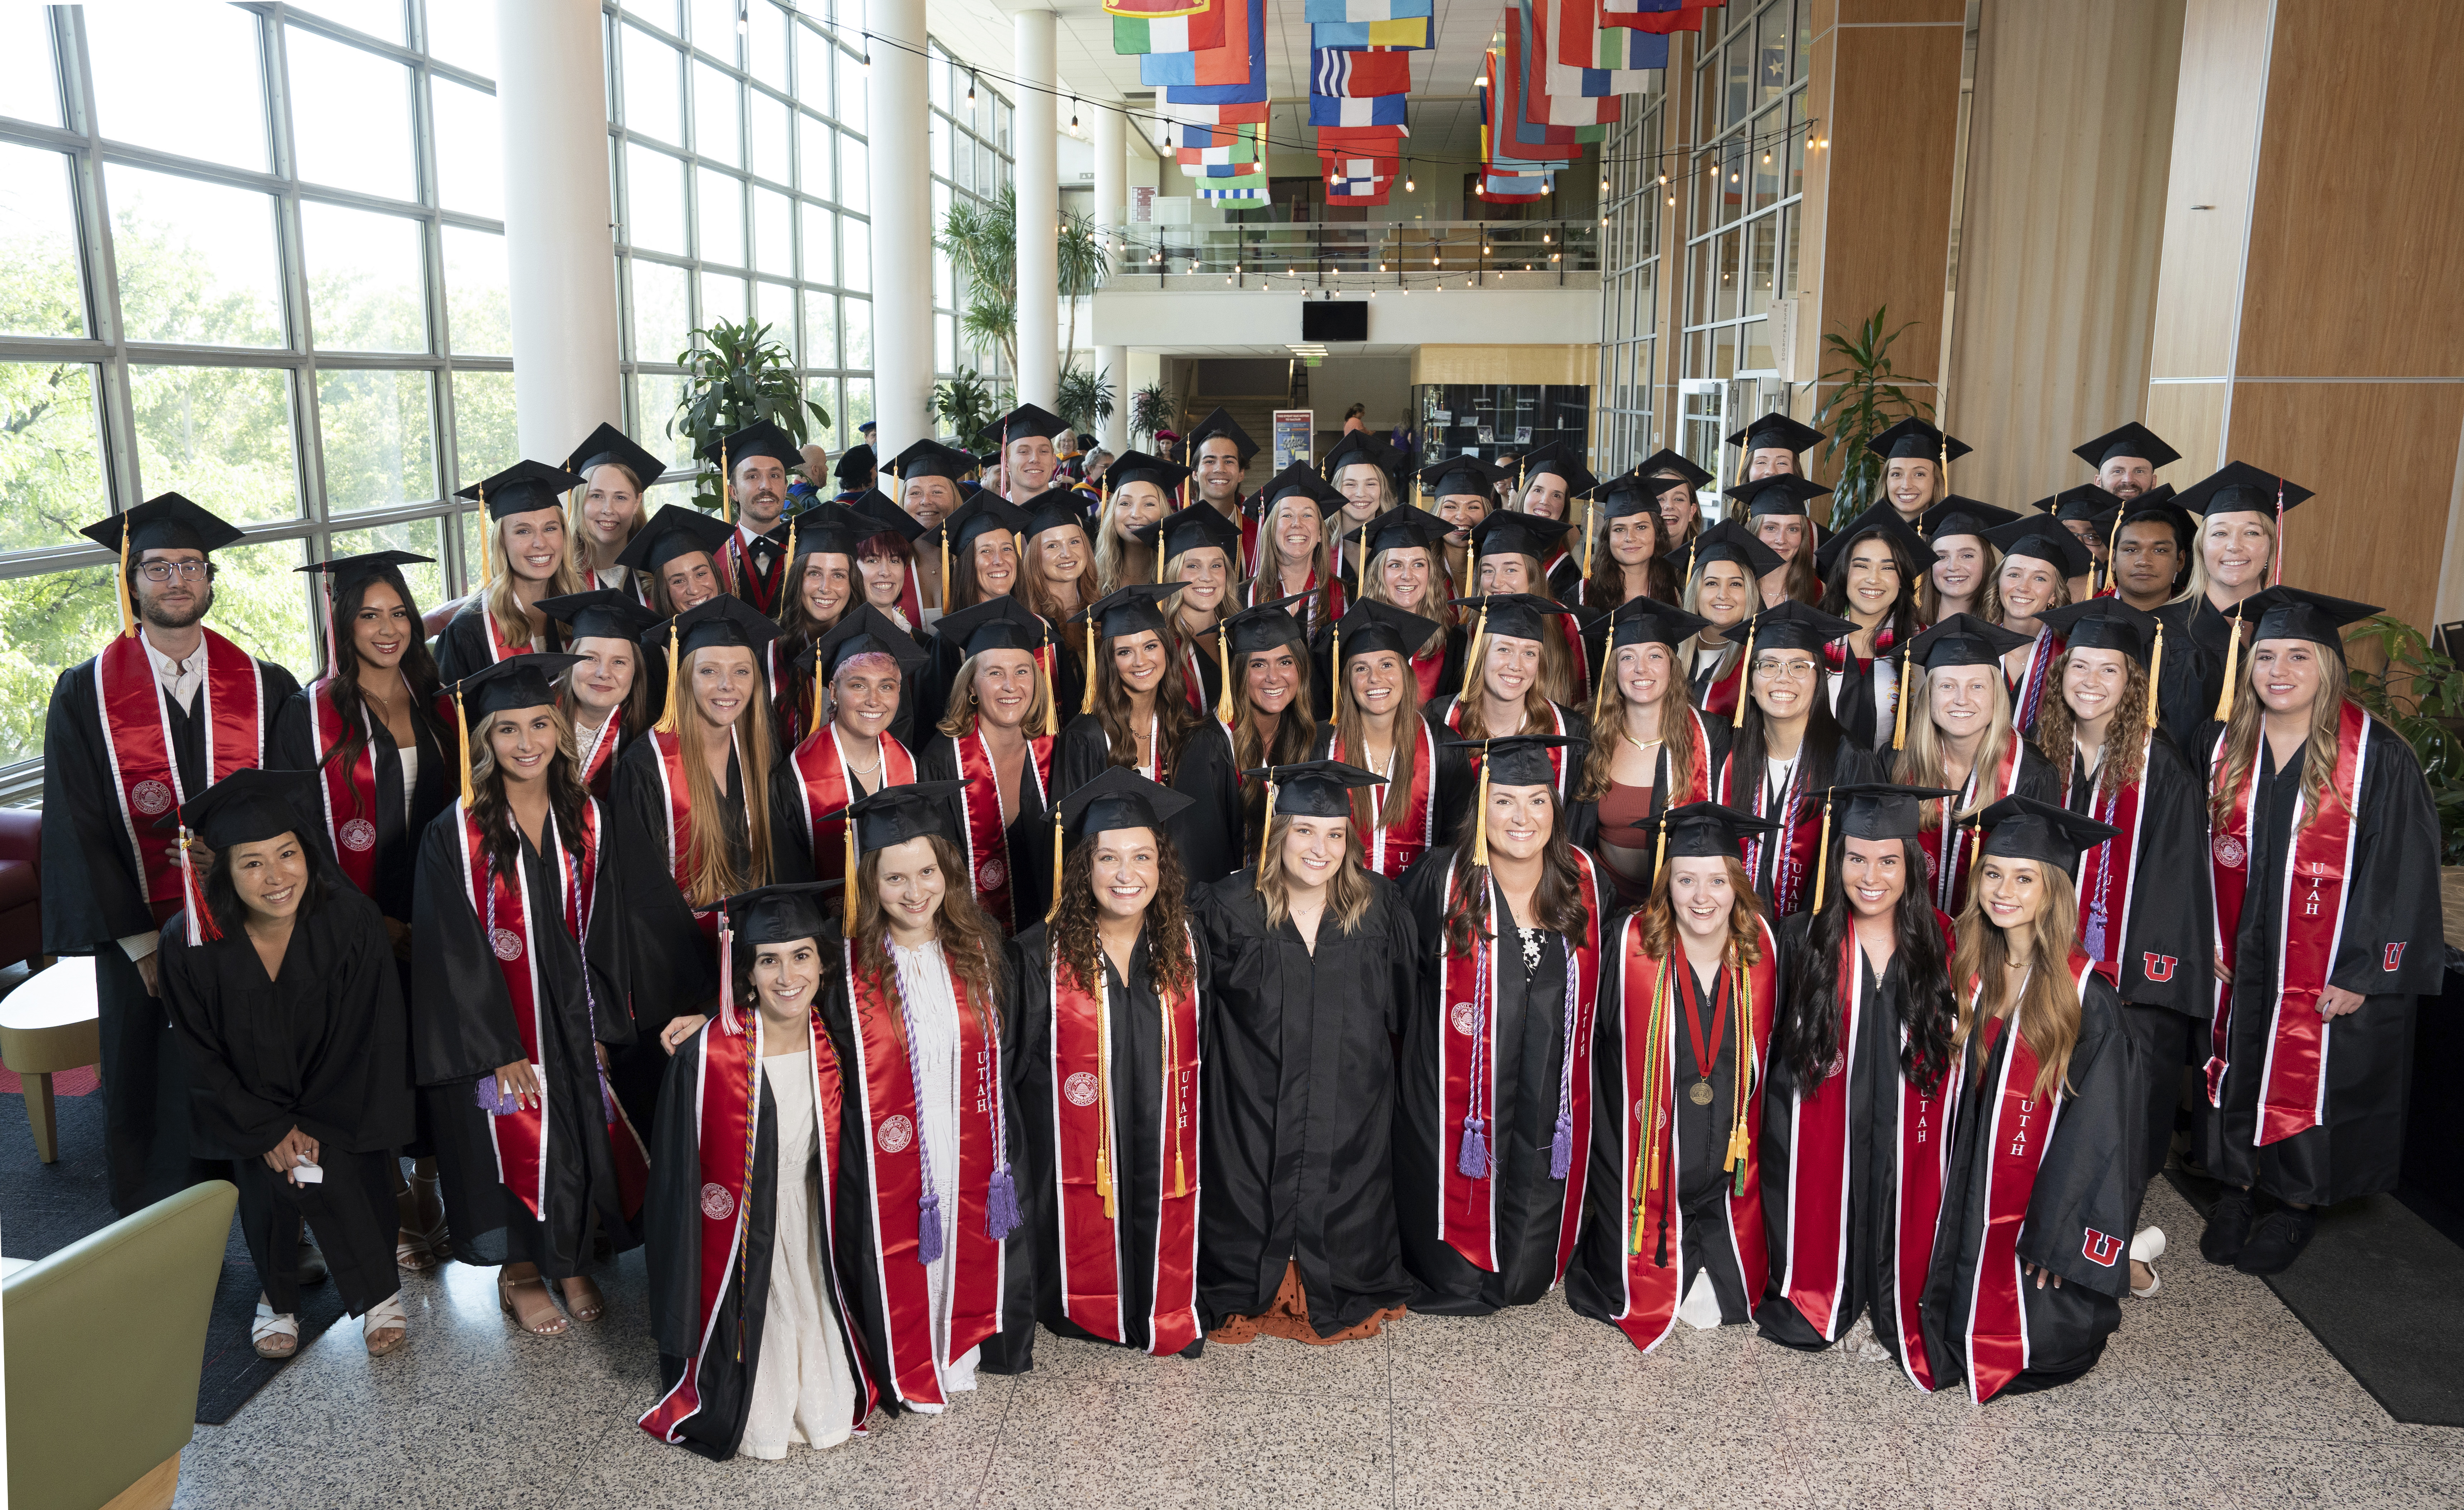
(971,90)
(1073,121)
(743,23)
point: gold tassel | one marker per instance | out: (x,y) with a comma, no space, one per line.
(1900,714)
(666,724)
(2113,544)
(2155,673)
(1160,560)
(820,685)
(1823,856)
(1479,811)
(847,893)
(1335,660)
(1265,830)
(1746,680)
(1472,669)
(1975,841)
(1050,911)
(1943,465)
(726,487)
(1588,533)
(1604,674)
(2232,667)
(1223,670)
(1659,845)
(791,549)
(1044,664)
(945,569)
(487,540)
(462,727)
(1086,696)
(127,616)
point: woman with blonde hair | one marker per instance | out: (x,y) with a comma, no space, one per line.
(1312,961)
(1405,551)
(1553,481)
(1676,1134)
(996,740)
(1462,492)
(1201,553)
(1378,727)
(1959,737)
(611,508)
(1650,750)
(1294,561)
(2240,511)
(1503,692)
(1142,490)
(2042,1124)
(1359,468)
(1916,466)
(1729,563)
(524,559)
(2039,558)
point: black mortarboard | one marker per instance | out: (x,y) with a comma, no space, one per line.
(1516,760)
(1646,620)
(855,465)
(1510,532)
(601,614)
(1220,423)
(997,624)
(760,438)
(897,814)
(517,681)
(880,510)
(1120,798)
(2289,613)
(2082,503)
(1131,466)
(1450,475)
(1791,626)
(608,444)
(1666,465)
(1881,810)
(1782,492)
(346,569)
(1913,437)
(930,458)
(1964,639)
(2157,503)
(1958,516)
(1361,447)
(1881,520)
(1706,830)
(1267,627)
(721,620)
(981,514)
(2045,538)
(1775,432)
(2023,829)
(164,522)
(1201,524)
(2133,439)
(246,807)
(1398,529)
(2239,488)
(1134,609)
(1054,509)
(864,630)
(831,529)
(1023,422)
(1515,616)
(523,487)
(1298,478)
(778,915)
(1730,541)
(2103,624)
(675,530)
(1372,626)
(1566,461)
(1630,493)
(1315,788)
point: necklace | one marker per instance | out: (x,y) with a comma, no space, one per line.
(867,770)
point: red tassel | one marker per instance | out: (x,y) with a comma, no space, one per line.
(194,896)
(727,977)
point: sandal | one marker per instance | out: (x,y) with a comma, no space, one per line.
(2146,1247)
(590,1304)
(542,1320)
(385,1326)
(416,1249)
(274,1335)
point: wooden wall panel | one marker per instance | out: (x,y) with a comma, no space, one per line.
(2206,210)
(1893,108)
(2192,415)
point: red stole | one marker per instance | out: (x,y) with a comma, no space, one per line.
(1948,878)
(349,792)
(1307,616)
(2017,1131)
(498,649)
(760,589)
(1649,1007)
(499,902)
(985,832)
(2293,1077)
(727,1098)
(2109,872)
(135,721)
(1801,821)
(888,1117)
(1720,699)
(2028,695)
(821,769)
(1429,671)
(1556,725)
(598,762)
(1088,1183)
(1391,851)
(1467,1083)
(1248,563)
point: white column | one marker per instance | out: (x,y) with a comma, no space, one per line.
(1111,207)
(902,229)
(560,251)
(1039,213)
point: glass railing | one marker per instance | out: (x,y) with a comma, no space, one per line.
(1463,253)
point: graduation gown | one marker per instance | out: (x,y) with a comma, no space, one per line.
(102,794)
(1851,1173)
(710,1230)
(1006,844)
(1299,1106)
(362,812)
(756,570)
(2068,1174)
(1459,771)
(2319,1137)
(463,1027)
(2021,770)
(1636,850)
(1390,852)
(2196,641)
(1065,671)
(1783,863)
(1865,689)
(468,640)
(1715,687)
(1517,1205)
(1207,832)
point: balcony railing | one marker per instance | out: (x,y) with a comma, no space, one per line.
(1407,254)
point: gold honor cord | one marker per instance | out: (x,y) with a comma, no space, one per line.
(1172,1092)
(1104,1086)
(1654,1065)
(1740,1010)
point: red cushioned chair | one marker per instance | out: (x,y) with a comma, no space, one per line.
(21,884)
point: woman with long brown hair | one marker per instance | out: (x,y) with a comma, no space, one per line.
(1629,548)
(606,695)
(1503,692)
(1787,750)
(1462,492)
(859,673)
(2043,1128)
(1728,562)
(1312,963)
(1378,727)
(1959,574)
(1552,482)
(1869,573)
(1058,581)
(1294,562)
(1959,735)
(996,741)
(1674,1231)
(1113,1007)
(1406,549)
(523,559)
(1776,511)
(2039,558)
(819,587)
(1675,484)
(1493,1114)
(1202,553)
(1273,699)
(1509,552)
(1649,749)
(609,511)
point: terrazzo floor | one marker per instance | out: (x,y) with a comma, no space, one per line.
(2211,1394)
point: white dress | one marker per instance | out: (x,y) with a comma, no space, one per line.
(803,1389)
(932,1010)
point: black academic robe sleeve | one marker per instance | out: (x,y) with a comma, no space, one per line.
(92,892)
(2394,937)
(2036,776)
(461,1021)
(2173,914)
(674,967)
(2091,1178)
(462,644)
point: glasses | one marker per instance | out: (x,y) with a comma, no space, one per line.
(185,571)
(1774,666)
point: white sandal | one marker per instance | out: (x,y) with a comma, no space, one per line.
(2146,1247)
(271,1329)
(383,1317)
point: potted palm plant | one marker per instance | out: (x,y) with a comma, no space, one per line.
(734,376)
(1866,402)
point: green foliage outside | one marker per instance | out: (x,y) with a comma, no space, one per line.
(2419,694)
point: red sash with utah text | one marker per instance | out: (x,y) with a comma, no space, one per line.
(2292,1079)
(349,790)
(821,767)
(1088,1186)
(137,741)
(1391,849)
(991,867)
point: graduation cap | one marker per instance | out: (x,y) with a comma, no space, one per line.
(1964,639)
(725,620)
(1401,529)
(1359,447)
(930,458)
(1730,541)
(890,815)
(854,465)
(2133,439)
(608,443)
(601,614)
(1313,788)
(1781,493)
(2023,829)
(760,438)
(341,571)
(2081,504)
(1881,520)
(164,522)
(1788,625)
(245,807)
(1508,532)
(864,630)
(1120,798)
(1136,608)
(1958,516)
(2157,503)
(1875,810)
(979,515)
(1297,478)
(1201,524)
(1775,432)
(1054,509)
(997,624)
(1668,465)
(1704,831)
(1220,423)
(1135,466)
(880,510)
(675,530)
(523,487)
(1566,462)
(2239,488)
(1630,493)
(2289,613)
(828,527)
(1026,422)
(1263,628)
(1513,616)
(1646,620)
(2105,624)
(2044,539)
(1370,627)
(1914,438)
(777,914)
(1511,760)
(517,681)
(1451,476)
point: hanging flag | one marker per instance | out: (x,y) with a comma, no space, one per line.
(1233,73)
(1253,112)
(1166,25)
(1542,107)
(1663,16)
(1403,31)
(1580,51)
(1363,140)
(1224,170)
(1357,167)
(1344,72)
(1247,191)
(1376,110)
(1334,11)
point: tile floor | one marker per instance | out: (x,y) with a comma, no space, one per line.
(2212,1394)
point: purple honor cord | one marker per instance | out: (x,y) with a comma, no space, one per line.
(1561,1143)
(928,1206)
(1473,1162)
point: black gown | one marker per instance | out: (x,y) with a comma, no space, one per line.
(462,646)
(320,1047)
(93,895)
(2197,642)
(672,964)
(397,842)
(1028,838)
(1207,832)
(1299,1099)
(2392,954)
(1458,776)
(2081,1207)
(462,1028)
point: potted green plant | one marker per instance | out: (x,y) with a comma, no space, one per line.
(964,405)
(2419,693)
(734,376)
(1148,408)
(1866,402)
(1086,397)
(980,238)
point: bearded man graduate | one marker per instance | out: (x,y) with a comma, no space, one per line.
(166,710)
(757,459)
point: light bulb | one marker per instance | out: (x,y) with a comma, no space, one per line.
(1604,183)
(971,90)
(1408,187)
(742,25)
(1672,201)
(1664,178)
(1766,156)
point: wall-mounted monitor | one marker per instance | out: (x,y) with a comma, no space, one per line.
(1344,321)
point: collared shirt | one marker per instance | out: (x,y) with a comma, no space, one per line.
(181,679)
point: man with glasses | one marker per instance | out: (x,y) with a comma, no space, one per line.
(166,710)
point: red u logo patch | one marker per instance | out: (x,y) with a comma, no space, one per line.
(2102,1249)
(2160,966)
(2395,958)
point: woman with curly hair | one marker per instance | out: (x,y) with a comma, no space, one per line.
(1494,1108)
(1674,1231)
(1113,1004)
